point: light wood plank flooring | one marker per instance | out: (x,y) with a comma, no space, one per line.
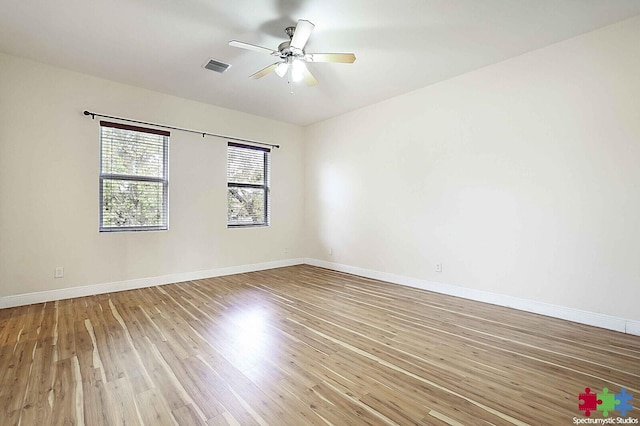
(299,345)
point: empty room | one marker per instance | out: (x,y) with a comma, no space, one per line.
(292,212)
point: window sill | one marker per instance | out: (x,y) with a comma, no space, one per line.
(252,225)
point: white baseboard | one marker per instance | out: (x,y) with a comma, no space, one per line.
(89,290)
(633,327)
(570,314)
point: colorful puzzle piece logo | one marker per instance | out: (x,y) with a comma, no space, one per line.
(622,402)
(605,402)
(589,402)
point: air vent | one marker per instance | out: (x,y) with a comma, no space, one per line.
(216,66)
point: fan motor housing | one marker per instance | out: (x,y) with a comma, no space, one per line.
(285,50)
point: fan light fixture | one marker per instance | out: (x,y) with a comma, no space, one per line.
(297,70)
(295,67)
(282,69)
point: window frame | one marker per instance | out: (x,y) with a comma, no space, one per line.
(164,180)
(265,186)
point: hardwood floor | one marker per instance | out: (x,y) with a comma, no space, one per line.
(299,345)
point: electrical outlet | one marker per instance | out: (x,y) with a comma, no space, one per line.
(330,252)
(438,267)
(59,273)
(286,250)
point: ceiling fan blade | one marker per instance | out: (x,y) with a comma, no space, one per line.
(302,34)
(264,71)
(308,78)
(249,46)
(345,58)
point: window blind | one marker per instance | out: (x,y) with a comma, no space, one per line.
(248,173)
(133,178)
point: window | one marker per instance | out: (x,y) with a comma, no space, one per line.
(247,185)
(133,178)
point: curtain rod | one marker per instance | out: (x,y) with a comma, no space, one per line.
(95,114)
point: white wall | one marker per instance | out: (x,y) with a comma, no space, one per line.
(521,178)
(49,185)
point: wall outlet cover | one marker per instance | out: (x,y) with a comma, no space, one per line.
(59,272)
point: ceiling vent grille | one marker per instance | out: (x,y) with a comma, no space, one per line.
(216,66)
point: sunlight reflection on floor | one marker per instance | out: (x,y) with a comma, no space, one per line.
(251,341)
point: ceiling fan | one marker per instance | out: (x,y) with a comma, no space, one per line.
(293,56)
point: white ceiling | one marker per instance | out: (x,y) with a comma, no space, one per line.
(400,45)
